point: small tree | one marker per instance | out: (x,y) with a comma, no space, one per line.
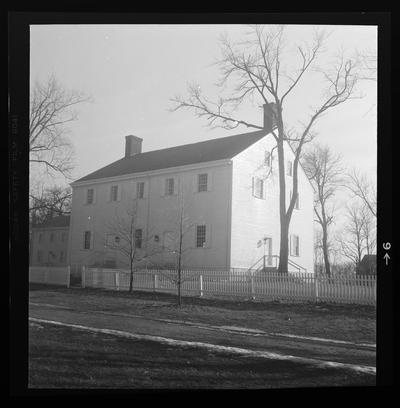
(323,170)
(128,240)
(357,237)
(177,244)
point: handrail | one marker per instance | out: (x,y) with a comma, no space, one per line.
(296,265)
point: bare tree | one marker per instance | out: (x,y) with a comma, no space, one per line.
(357,238)
(324,171)
(177,244)
(259,68)
(364,189)
(51,109)
(126,237)
(47,203)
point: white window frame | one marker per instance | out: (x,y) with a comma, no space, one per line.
(167,186)
(112,190)
(197,236)
(202,184)
(87,196)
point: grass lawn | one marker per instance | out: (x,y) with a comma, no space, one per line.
(61,357)
(342,322)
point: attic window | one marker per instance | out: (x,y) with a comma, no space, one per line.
(114,193)
(169,186)
(202,182)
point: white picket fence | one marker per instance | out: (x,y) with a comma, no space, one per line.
(52,275)
(255,286)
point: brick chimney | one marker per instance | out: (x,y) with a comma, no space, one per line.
(133,145)
(269,116)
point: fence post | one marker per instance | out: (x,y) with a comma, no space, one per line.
(83,276)
(155,283)
(316,287)
(252,295)
(117,280)
(201,285)
(68,276)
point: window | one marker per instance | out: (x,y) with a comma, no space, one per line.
(258,187)
(89,196)
(62,256)
(294,245)
(267,158)
(200,236)
(202,182)
(169,186)
(40,256)
(140,189)
(289,168)
(87,240)
(114,193)
(138,238)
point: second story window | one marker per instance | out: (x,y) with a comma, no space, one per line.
(202,182)
(258,187)
(140,189)
(289,168)
(200,236)
(89,196)
(169,186)
(114,193)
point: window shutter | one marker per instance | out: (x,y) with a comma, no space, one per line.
(109,193)
(119,192)
(163,183)
(290,245)
(85,194)
(252,186)
(94,195)
(195,183)
(91,239)
(209,181)
(145,189)
(264,194)
(134,189)
(83,240)
(176,185)
(208,235)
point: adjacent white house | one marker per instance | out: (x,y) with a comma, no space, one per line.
(229,191)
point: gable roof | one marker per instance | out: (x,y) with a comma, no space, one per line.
(209,150)
(55,222)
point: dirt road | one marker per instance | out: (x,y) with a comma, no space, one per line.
(349,353)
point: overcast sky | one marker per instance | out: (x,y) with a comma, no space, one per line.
(132,71)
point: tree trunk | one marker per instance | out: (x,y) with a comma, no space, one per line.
(284,247)
(325,251)
(131,278)
(284,225)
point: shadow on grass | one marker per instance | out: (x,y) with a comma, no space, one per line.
(225,303)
